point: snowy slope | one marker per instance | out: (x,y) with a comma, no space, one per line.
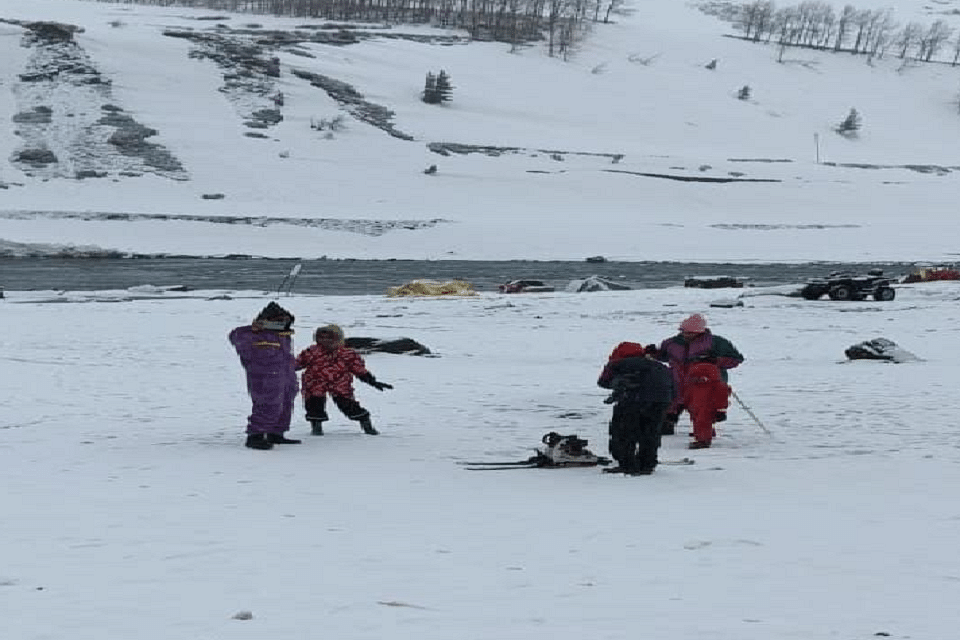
(586,134)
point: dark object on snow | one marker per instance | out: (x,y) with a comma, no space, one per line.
(52,31)
(879,349)
(596,283)
(398,345)
(713,282)
(727,304)
(36,157)
(559,451)
(596,259)
(432,169)
(525,286)
(841,285)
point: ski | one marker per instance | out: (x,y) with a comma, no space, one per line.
(517,463)
(680,461)
(505,467)
(530,466)
(537,462)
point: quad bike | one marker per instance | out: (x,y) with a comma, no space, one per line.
(840,285)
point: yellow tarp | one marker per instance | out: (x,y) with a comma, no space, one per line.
(433,288)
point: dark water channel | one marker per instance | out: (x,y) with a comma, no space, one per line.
(363,277)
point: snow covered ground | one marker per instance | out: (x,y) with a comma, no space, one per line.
(131,508)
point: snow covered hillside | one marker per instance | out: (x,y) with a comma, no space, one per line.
(632,148)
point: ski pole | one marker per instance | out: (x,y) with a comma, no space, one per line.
(291,278)
(749,412)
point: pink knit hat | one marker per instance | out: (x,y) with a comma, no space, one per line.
(694,324)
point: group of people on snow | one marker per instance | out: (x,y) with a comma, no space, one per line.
(651,385)
(265,348)
(649,396)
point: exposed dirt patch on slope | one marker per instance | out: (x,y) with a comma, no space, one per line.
(355,225)
(68,120)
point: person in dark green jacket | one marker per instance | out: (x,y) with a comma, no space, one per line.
(693,343)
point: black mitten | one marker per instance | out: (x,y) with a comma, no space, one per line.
(370,380)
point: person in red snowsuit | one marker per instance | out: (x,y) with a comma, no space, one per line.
(329,367)
(265,348)
(705,396)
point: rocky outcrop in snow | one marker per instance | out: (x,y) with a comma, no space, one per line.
(66,117)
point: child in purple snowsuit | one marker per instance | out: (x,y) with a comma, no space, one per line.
(265,348)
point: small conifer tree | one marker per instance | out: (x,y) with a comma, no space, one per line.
(444,88)
(430,95)
(851,124)
(744,93)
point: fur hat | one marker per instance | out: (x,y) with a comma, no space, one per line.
(330,328)
(626,350)
(694,324)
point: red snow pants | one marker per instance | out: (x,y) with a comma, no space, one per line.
(706,393)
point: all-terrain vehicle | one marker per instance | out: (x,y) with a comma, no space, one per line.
(841,285)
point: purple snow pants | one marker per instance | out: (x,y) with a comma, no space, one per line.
(273,395)
(267,358)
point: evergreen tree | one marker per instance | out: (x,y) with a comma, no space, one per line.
(430,94)
(744,93)
(444,88)
(850,125)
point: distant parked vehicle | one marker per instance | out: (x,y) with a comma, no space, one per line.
(932,274)
(840,285)
(713,282)
(525,286)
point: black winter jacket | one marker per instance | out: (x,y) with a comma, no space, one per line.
(642,379)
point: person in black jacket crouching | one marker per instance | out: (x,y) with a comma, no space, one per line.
(642,392)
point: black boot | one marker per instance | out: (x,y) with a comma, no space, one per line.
(367,426)
(316,427)
(279,438)
(641,471)
(258,441)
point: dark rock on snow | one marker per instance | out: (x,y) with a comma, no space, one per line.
(879,349)
(398,345)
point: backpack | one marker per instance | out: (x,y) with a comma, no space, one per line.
(567,451)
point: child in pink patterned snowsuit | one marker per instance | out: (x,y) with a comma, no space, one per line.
(329,368)
(265,348)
